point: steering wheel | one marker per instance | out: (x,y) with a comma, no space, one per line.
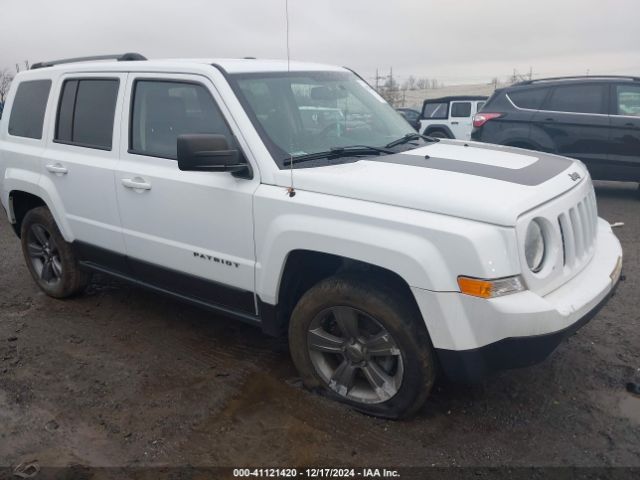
(328,129)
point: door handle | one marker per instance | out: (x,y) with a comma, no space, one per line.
(57,168)
(454,123)
(549,119)
(136,183)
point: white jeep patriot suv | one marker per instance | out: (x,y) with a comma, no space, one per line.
(388,257)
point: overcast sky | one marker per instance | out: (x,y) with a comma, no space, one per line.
(459,41)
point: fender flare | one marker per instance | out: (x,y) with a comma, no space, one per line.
(17,180)
(439,126)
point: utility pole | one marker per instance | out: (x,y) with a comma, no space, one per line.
(377,79)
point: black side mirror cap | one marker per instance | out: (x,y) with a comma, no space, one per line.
(208,152)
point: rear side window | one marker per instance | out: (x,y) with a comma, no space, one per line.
(86,112)
(29,107)
(480,105)
(628,100)
(531,99)
(164,110)
(577,99)
(461,109)
(435,110)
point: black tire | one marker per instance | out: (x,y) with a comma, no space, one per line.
(50,259)
(393,311)
(437,134)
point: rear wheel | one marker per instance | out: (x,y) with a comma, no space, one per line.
(364,345)
(50,259)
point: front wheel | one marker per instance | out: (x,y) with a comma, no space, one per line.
(50,259)
(364,345)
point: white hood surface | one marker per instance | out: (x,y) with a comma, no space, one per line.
(487,183)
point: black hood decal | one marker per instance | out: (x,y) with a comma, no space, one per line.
(543,169)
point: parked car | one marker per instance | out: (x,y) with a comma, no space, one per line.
(450,117)
(412,116)
(593,119)
(198,179)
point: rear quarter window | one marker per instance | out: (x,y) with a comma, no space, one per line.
(29,107)
(531,98)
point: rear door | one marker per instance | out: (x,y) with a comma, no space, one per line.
(80,160)
(576,119)
(625,131)
(460,119)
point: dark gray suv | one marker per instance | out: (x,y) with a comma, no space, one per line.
(593,119)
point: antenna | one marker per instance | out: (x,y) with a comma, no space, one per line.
(291,191)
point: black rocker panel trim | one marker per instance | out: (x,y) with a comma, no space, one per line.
(205,293)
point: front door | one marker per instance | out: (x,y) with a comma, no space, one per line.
(187,232)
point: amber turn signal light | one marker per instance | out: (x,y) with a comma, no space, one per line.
(478,287)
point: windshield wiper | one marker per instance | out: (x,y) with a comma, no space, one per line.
(337,152)
(410,136)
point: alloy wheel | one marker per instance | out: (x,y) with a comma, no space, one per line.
(355,355)
(44,254)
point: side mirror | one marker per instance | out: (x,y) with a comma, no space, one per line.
(208,152)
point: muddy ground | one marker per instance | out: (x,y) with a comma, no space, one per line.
(121,376)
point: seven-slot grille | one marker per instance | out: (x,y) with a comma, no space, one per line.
(578,227)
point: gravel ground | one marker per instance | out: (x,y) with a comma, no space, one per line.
(123,377)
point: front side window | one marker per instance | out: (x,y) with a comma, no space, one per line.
(163,110)
(298,113)
(435,111)
(577,99)
(29,107)
(461,109)
(628,100)
(86,112)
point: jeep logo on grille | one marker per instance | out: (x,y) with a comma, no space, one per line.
(574,176)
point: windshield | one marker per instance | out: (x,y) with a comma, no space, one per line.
(298,113)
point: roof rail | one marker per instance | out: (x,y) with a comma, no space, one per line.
(121,57)
(579,77)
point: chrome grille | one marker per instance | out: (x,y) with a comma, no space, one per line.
(578,228)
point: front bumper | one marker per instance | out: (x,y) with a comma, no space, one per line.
(474,337)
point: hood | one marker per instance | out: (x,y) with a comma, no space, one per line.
(477,181)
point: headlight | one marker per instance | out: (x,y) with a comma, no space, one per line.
(534,247)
